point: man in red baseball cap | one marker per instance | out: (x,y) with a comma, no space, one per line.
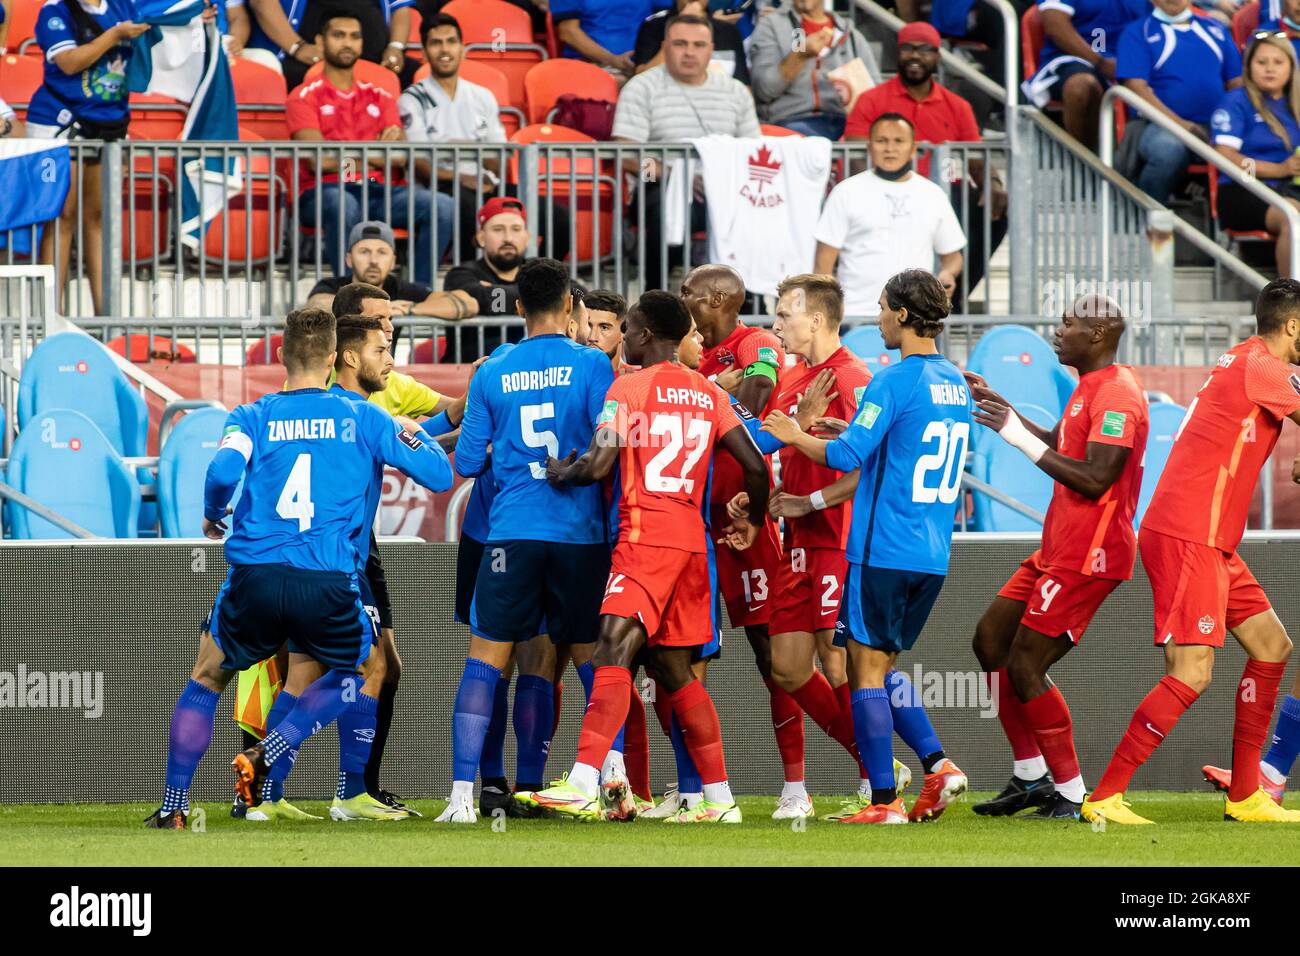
(490,280)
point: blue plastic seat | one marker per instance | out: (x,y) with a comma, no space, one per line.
(1008,470)
(65,462)
(1019,364)
(1166,418)
(182,468)
(868,344)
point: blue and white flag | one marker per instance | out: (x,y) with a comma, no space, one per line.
(35,174)
(183,58)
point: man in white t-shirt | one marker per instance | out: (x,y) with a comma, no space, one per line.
(888,219)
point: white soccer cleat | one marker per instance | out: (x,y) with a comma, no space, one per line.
(796,806)
(460,809)
(671,804)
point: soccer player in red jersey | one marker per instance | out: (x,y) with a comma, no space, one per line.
(714,295)
(1095,454)
(660,424)
(1199,583)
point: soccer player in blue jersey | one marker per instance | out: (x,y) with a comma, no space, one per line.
(309,460)
(546,557)
(908,438)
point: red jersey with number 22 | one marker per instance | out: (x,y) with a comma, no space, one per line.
(741,349)
(668,418)
(1225,439)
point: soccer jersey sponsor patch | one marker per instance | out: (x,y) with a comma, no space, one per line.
(1112,424)
(409,440)
(768,355)
(608,413)
(1294,380)
(867,417)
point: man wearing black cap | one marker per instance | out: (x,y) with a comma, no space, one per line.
(490,281)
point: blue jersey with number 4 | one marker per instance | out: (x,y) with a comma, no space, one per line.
(909,438)
(313,460)
(540,398)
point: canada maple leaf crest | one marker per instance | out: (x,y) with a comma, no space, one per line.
(763,167)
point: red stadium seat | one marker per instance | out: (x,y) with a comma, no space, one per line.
(152,348)
(257,352)
(156,117)
(423,353)
(147,210)
(484,74)
(367,72)
(767,129)
(1031,40)
(251,228)
(22,27)
(1250,235)
(20,77)
(1244,22)
(501,34)
(592,184)
(549,80)
(259,98)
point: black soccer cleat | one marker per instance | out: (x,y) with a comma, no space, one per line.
(493,798)
(390,799)
(1060,807)
(238,809)
(250,773)
(1017,795)
(173,820)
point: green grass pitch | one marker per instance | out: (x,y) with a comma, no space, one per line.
(1190,832)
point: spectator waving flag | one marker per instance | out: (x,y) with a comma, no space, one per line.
(35,174)
(182,57)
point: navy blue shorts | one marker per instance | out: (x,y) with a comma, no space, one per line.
(326,614)
(1048,84)
(526,588)
(889,612)
(378,584)
(468,555)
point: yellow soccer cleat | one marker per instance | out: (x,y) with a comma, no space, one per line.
(364,807)
(281,809)
(1114,809)
(1259,808)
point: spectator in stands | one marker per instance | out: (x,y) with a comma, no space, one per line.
(679,101)
(427,8)
(1287,20)
(490,281)
(792,54)
(602,31)
(83,96)
(338,106)
(289,29)
(11,127)
(939,116)
(372,258)
(235,27)
(1077,62)
(605,311)
(1181,64)
(1257,126)
(885,220)
(728,44)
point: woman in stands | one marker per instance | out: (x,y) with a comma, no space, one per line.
(84,96)
(1257,126)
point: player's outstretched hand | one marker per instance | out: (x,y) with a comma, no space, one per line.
(216,530)
(817,397)
(979,388)
(781,427)
(831,426)
(474,366)
(730,380)
(408,423)
(738,507)
(991,414)
(739,535)
(557,469)
(783,505)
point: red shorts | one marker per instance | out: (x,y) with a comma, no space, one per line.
(666,588)
(1057,600)
(1199,592)
(746,578)
(809,583)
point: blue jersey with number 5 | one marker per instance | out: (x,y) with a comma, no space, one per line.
(540,398)
(909,438)
(313,461)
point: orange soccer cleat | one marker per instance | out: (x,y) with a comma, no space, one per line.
(1221,780)
(944,785)
(886,813)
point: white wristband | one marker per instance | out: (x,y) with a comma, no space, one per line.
(1015,434)
(817,501)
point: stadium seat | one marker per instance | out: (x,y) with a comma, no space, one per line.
(146,210)
(70,370)
(1166,418)
(1244,22)
(22,29)
(156,117)
(1233,235)
(182,467)
(20,77)
(1031,41)
(259,99)
(1018,363)
(1008,470)
(768,129)
(152,348)
(423,353)
(579,194)
(484,74)
(260,353)
(868,344)
(367,72)
(250,230)
(546,82)
(500,34)
(67,464)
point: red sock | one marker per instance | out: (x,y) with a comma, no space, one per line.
(701,730)
(611,691)
(1152,722)
(844,725)
(787,722)
(636,746)
(559,694)
(1256,695)
(817,699)
(1011,713)
(1049,718)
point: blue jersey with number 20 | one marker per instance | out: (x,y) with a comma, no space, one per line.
(909,438)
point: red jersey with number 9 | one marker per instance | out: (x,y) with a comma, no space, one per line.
(668,419)
(1225,439)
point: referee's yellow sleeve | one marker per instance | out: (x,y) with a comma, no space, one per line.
(405,395)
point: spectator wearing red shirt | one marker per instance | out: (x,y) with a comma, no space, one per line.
(939,116)
(338,107)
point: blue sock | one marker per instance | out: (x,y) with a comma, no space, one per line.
(472,716)
(1286,737)
(873,727)
(318,707)
(688,777)
(356,734)
(273,789)
(191,732)
(910,719)
(492,765)
(586,674)
(534,717)
(617,743)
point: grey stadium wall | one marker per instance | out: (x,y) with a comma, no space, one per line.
(128,615)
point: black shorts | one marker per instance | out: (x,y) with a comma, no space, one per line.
(524,587)
(1239,209)
(469,553)
(378,584)
(320,613)
(885,608)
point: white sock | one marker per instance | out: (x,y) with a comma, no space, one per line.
(585,777)
(689,800)
(1073,789)
(864,787)
(1272,774)
(613,765)
(719,793)
(462,789)
(1031,769)
(793,788)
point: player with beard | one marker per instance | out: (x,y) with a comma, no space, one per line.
(605,311)
(492,280)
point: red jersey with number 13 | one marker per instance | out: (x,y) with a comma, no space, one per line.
(669,418)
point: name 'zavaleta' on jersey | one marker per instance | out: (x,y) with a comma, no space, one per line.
(1224,441)
(538,399)
(668,419)
(909,438)
(312,460)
